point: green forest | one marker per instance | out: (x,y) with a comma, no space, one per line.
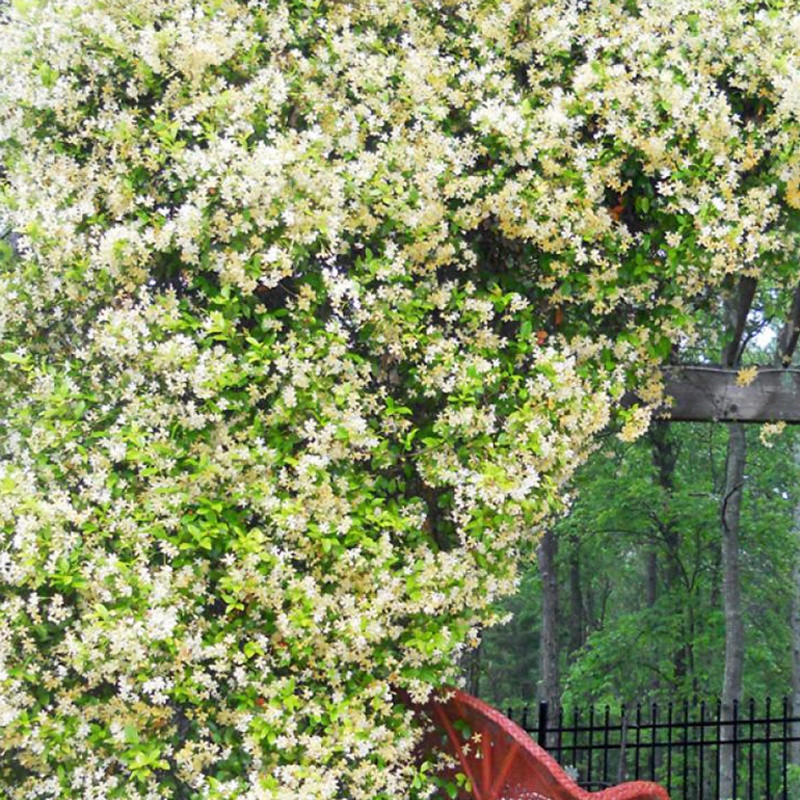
(639,576)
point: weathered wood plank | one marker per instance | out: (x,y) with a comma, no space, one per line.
(707,393)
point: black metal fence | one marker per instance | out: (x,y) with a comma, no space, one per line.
(685,748)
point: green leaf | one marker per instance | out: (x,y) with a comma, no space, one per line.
(131,734)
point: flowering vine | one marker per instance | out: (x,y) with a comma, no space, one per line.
(313,309)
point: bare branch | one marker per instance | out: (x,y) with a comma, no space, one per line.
(738,311)
(787,338)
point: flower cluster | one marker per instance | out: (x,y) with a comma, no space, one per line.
(313,310)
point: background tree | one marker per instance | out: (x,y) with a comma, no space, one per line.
(617,521)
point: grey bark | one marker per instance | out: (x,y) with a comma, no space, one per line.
(787,339)
(665,457)
(737,309)
(576,625)
(650,577)
(732,595)
(549,689)
(795,624)
(786,346)
(795,630)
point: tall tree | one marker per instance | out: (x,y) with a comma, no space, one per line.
(665,456)
(737,310)
(549,689)
(732,594)
(618,492)
(576,633)
(786,346)
(795,627)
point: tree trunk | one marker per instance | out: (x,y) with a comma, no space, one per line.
(576,612)
(794,747)
(737,307)
(665,457)
(732,596)
(549,690)
(795,625)
(650,576)
(472,669)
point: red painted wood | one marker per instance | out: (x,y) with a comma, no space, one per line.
(502,762)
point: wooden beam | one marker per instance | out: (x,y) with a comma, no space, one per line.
(712,394)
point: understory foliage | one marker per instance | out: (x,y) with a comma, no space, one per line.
(639,572)
(313,308)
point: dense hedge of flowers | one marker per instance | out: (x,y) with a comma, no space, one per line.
(315,307)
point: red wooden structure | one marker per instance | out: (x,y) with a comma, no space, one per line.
(503,763)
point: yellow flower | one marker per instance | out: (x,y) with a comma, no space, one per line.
(746,375)
(769,431)
(793,193)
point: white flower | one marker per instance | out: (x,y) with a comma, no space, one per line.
(160,622)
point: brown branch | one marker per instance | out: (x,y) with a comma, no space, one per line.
(787,338)
(724,507)
(732,353)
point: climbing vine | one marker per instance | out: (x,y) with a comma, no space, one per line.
(312,310)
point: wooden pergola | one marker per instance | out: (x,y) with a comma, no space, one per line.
(718,393)
(703,393)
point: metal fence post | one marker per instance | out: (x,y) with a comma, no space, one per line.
(541,736)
